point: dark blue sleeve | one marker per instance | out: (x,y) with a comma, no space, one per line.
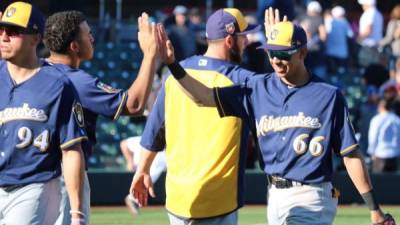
(70,122)
(344,140)
(232,100)
(98,97)
(153,137)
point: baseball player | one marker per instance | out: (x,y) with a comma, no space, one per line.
(40,122)
(205,154)
(69,39)
(300,122)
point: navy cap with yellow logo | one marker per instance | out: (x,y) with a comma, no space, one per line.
(228,21)
(25,15)
(286,36)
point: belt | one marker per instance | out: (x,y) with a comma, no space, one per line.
(282,183)
(11,188)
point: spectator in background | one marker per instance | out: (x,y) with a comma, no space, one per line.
(374,76)
(198,27)
(392,39)
(384,138)
(338,31)
(195,20)
(394,79)
(316,35)
(180,35)
(370,33)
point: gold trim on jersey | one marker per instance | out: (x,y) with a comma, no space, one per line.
(219,101)
(22,113)
(72,142)
(348,149)
(121,105)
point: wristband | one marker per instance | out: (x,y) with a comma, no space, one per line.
(177,71)
(79,221)
(370,200)
(77,212)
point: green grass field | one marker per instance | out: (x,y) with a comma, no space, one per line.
(249,215)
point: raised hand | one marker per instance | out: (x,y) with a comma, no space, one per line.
(147,35)
(166,50)
(271,17)
(141,187)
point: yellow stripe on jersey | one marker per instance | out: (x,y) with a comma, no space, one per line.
(348,149)
(202,152)
(121,106)
(219,102)
(72,142)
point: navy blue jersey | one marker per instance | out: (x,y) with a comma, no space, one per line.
(38,118)
(298,129)
(96,97)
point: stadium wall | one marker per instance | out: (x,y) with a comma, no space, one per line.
(111,188)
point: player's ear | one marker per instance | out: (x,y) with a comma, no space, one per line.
(229,41)
(303,53)
(37,39)
(74,46)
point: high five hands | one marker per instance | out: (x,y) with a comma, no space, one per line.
(271,17)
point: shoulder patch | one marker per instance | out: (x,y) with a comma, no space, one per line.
(106,88)
(77,110)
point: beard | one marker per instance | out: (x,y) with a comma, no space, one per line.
(234,53)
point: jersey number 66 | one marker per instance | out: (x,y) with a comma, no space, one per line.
(315,147)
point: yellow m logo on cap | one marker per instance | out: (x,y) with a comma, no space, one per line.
(18,14)
(281,34)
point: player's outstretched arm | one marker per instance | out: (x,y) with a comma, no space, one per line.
(139,91)
(142,185)
(197,91)
(358,173)
(73,170)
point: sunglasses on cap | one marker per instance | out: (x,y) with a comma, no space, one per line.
(281,55)
(14,31)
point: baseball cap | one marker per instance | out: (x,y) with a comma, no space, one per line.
(228,21)
(314,6)
(286,36)
(25,15)
(338,11)
(180,10)
(367,2)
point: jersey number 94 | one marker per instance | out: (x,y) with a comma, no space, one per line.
(26,138)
